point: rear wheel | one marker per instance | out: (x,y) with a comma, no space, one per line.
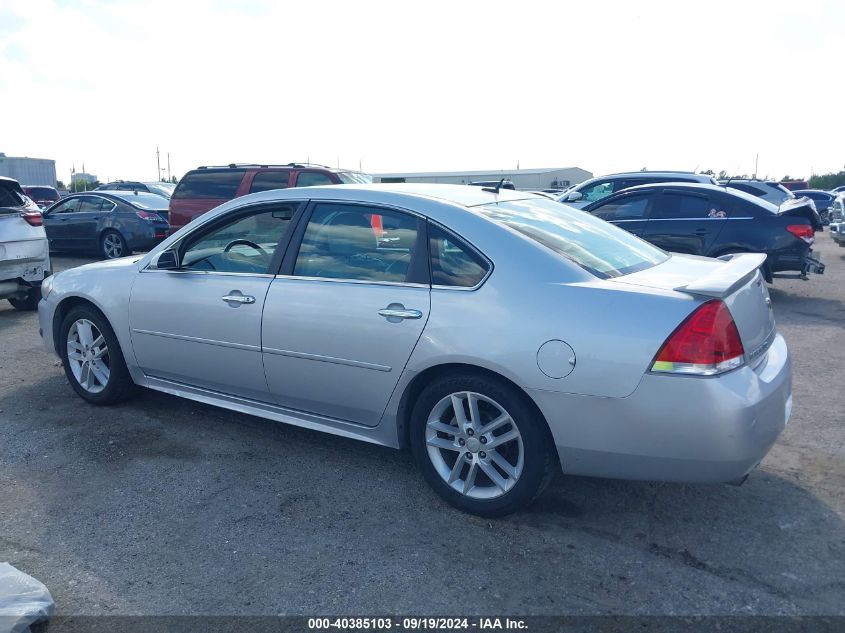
(113,245)
(92,358)
(480,445)
(30,302)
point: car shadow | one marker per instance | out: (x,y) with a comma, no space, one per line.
(160,491)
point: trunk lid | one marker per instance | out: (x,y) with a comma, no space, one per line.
(735,279)
(802,208)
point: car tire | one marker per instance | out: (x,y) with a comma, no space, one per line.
(28,303)
(113,245)
(98,374)
(509,474)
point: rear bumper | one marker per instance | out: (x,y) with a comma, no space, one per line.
(799,260)
(675,428)
(24,266)
(837,232)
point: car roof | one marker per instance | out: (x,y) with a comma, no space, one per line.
(695,186)
(141,200)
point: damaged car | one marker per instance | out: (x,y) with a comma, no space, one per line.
(24,251)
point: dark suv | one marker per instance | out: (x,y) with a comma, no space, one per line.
(204,188)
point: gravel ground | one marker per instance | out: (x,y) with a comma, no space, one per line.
(165,506)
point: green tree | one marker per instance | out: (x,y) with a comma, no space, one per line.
(60,184)
(827,181)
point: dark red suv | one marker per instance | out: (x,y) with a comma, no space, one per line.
(204,188)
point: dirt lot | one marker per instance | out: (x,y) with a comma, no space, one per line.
(167,506)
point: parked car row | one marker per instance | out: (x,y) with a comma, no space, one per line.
(691,213)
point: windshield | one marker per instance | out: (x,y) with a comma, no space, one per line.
(161,189)
(597,246)
(354,178)
(42,193)
(148,201)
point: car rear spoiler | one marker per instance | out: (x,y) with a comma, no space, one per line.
(737,269)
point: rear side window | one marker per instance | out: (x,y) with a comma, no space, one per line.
(453,263)
(313,179)
(683,206)
(267,180)
(360,243)
(601,249)
(210,184)
(627,208)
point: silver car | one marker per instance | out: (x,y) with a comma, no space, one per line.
(501,336)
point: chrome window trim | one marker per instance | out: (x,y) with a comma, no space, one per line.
(687,219)
(352,281)
(222,273)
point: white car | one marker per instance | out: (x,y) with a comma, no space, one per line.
(595,189)
(24,251)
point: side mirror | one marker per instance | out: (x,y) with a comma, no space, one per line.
(572,196)
(166,260)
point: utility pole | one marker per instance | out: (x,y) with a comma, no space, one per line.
(756,160)
(158,165)
(168,167)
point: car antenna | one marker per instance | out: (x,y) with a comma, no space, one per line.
(496,188)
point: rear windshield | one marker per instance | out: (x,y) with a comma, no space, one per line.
(10,197)
(354,178)
(597,246)
(42,193)
(209,184)
(148,201)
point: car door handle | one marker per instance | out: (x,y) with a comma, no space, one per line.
(400,313)
(238,299)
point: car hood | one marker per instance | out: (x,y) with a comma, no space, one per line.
(107,264)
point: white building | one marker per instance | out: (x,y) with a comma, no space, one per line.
(29,171)
(530,179)
(84,177)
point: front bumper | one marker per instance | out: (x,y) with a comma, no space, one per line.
(675,428)
(46,310)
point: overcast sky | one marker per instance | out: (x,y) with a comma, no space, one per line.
(424,86)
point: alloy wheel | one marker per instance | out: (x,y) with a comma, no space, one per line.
(112,246)
(88,356)
(474,445)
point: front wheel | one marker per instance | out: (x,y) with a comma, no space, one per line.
(480,445)
(113,245)
(92,358)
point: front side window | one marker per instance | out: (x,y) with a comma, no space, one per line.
(312,179)
(268,180)
(598,191)
(598,247)
(453,263)
(243,245)
(627,208)
(358,242)
(90,204)
(69,206)
(210,184)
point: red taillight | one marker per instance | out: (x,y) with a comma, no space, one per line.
(706,343)
(33,218)
(802,231)
(146,215)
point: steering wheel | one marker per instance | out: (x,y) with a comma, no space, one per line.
(244,243)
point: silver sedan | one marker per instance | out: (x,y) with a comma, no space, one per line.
(500,335)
